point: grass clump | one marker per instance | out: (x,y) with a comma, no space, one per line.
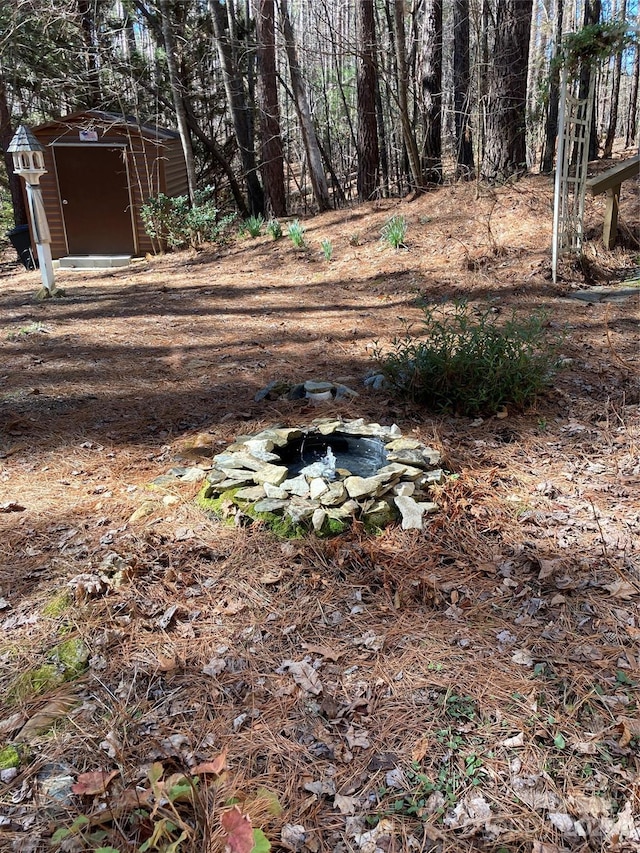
(394,231)
(296,233)
(465,363)
(274,229)
(327,249)
(65,662)
(253,226)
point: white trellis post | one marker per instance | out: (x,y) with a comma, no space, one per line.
(574,131)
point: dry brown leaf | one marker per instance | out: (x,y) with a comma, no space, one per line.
(630,728)
(94,782)
(272,577)
(13,723)
(47,716)
(420,749)
(323,651)
(217,766)
(622,589)
(544,847)
(304,675)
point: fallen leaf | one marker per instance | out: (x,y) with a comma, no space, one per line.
(272,577)
(420,748)
(544,847)
(345,805)
(239,831)
(622,589)
(217,766)
(630,729)
(522,657)
(562,821)
(12,506)
(357,738)
(293,836)
(323,651)
(47,716)
(94,782)
(513,742)
(304,675)
(214,667)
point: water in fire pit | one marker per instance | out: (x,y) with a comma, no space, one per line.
(360,455)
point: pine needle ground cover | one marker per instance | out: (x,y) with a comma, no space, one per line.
(473,686)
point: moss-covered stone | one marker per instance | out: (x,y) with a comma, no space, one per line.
(226,506)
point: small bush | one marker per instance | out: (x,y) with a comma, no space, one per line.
(172,220)
(274,229)
(468,364)
(296,233)
(327,249)
(253,226)
(394,231)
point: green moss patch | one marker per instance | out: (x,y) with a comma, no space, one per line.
(226,506)
(65,662)
(57,605)
(9,757)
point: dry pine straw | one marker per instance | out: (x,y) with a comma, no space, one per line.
(530,541)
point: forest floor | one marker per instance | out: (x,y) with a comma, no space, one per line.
(472,686)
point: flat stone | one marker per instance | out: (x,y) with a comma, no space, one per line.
(262,449)
(233,483)
(423,457)
(279,436)
(274,474)
(270,505)
(301,510)
(329,428)
(296,486)
(359,427)
(380,514)
(317,387)
(404,490)
(252,493)
(393,470)
(317,487)
(334,495)
(276,492)
(343,392)
(241,475)
(359,487)
(318,519)
(413,512)
(431,477)
(215,476)
(239,460)
(403,444)
(296,392)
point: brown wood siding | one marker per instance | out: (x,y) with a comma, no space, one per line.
(175,170)
(147,161)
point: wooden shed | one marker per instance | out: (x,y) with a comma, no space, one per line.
(101,167)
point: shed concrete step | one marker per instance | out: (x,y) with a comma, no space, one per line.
(94,262)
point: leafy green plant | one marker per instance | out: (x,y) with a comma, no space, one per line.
(274,229)
(467,363)
(177,224)
(296,233)
(394,231)
(253,226)
(327,249)
(595,42)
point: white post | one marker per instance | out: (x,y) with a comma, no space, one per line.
(28,161)
(560,156)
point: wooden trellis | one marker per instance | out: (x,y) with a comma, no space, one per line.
(574,130)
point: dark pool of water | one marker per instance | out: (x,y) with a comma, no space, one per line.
(361,455)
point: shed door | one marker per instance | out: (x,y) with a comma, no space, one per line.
(96,206)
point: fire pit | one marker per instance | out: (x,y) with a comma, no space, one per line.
(322,477)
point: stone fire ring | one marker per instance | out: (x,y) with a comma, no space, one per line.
(260,477)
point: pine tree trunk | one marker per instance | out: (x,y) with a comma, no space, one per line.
(272,162)
(403,102)
(505,152)
(303,111)
(238,103)
(592,12)
(615,94)
(461,89)
(632,123)
(176,92)
(6,135)
(551,128)
(430,65)
(368,152)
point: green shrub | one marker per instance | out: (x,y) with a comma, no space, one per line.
(394,231)
(327,249)
(253,226)
(466,363)
(296,233)
(174,222)
(274,229)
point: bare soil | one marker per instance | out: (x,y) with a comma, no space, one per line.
(473,686)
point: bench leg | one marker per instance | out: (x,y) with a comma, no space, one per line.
(610,229)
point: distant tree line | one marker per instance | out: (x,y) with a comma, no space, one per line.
(287,106)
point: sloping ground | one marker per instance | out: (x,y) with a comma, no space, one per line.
(470,687)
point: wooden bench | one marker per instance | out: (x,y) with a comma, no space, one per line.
(610,182)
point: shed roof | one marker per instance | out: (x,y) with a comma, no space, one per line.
(102,117)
